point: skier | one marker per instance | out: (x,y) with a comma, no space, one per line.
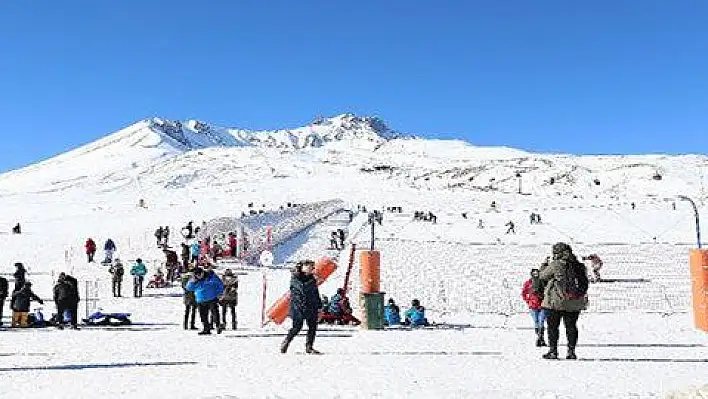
(185,257)
(90,249)
(62,299)
(232,245)
(304,305)
(194,250)
(480,225)
(117,271)
(532,294)
(229,299)
(565,296)
(207,288)
(138,271)
(20,276)
(511,228)
(4,288)
(20,304)
(17,229)
(109,248)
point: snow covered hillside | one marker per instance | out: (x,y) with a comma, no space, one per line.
(636,337)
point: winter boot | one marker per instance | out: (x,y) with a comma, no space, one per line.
(540,341)
(284,346)
(552,354)
(312,351)
(204,332)
(571,354)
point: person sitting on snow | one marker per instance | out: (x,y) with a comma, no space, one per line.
(158,280)
(325,304)
(415,316)
(392,313)
(339,304)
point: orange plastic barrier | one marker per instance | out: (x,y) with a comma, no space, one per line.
(699,286)
(278,312)
(370,271)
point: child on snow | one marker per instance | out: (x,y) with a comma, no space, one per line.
(532,293)
(415,316)
(392,313)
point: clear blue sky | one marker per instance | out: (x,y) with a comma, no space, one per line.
(601,76)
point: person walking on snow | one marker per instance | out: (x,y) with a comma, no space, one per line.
(207,288)
(565,296)
(532,294)
(158,236)
(305,303)
(190,303)
(138,271)
(109,248)
(117,271)
(90,249)
(4,291)
(511,229)
(229,299)
(20,276)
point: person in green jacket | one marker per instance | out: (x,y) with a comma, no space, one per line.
(138,271)
(564,297)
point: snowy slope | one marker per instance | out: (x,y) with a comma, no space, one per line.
(637,338)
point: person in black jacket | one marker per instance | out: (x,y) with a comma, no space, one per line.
(21,304)
(305,303)
(20,276)
(73,300)
(62,298)
(4,287)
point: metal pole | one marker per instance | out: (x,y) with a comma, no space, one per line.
(698,223)
(372,221)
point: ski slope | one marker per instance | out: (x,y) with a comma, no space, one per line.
(636,339)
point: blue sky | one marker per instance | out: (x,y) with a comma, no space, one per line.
(602,76)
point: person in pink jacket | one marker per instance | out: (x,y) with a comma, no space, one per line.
(532,293)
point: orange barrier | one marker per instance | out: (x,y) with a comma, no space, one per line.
(370,271)
(699,287)
(278,312)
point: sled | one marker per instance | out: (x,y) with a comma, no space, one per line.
(108,319)
(340,319)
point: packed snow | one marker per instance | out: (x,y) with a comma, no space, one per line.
(636,338)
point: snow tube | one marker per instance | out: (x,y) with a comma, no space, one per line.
(277,313)
(699,285)
(370,271)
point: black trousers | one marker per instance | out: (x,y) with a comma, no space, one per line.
(90,256)
(138,286)
(190,312)
(2,306)
(311,330)
(570,320)
(206,309)
(116,287)
(231,307)
(74,309)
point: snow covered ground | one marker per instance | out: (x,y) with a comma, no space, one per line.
(636,339)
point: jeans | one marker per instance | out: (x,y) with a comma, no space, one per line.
(138,286)
(116,287)
(232,308)
(189,314)
(538,316)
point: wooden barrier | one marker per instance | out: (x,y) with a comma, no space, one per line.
(699,287)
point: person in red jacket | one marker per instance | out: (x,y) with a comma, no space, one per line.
(532,293)
(90,249)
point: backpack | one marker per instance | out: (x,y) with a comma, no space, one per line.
(576,279)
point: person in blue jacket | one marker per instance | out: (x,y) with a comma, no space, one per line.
(109,248)
(207,288)
(194,250)
(392,313)
(415,316)
(138,271)
(305,304)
